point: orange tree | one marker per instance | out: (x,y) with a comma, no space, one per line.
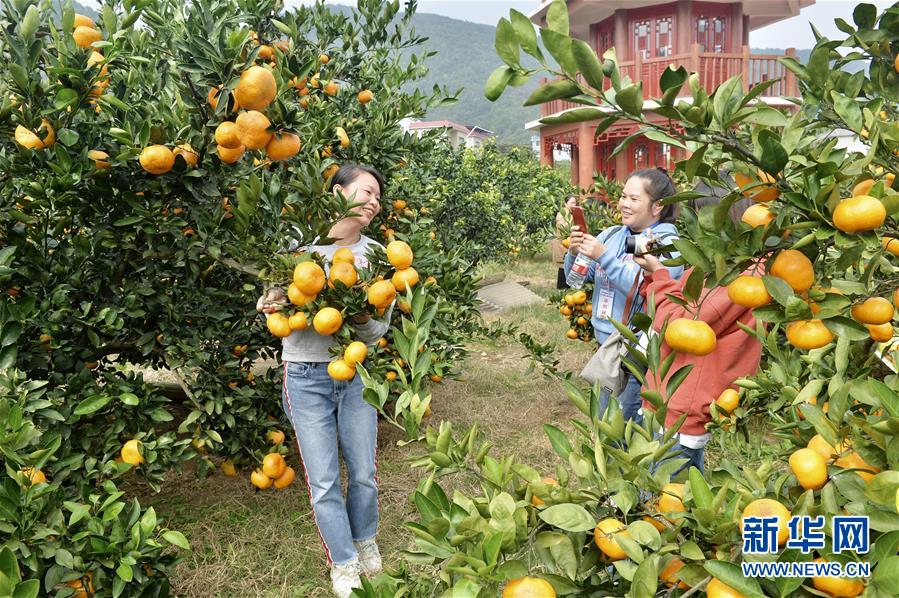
(813,259)
(137,234)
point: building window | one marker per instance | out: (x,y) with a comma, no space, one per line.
(641,156)
(663,36)
(641,38)
(711,34)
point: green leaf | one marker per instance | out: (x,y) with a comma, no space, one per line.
(843,326)
(848,110)
(778,289)
(558,440)
(568,517)
(129,399)
(773,156)
(67,137)
(727,98)
(497,82)
(128,220)
(525,34)
(587,63)
(27,589)
(732,575)
(506,44)
(692,254)
(92,404)
(552,91)
(576,115)
(865,16)
(557,17)
(886,575)
(30,22)
(699,488)
(559,47)
(176,538)
(693,286)
(882,488)
(65,97)
(630,99)
(766,116)
(125,572)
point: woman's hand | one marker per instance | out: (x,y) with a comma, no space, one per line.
(273,300)
(575,238)
(648,262)
(591,246)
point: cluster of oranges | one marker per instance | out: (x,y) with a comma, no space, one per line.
(309,280)
(274,472)
(577,310)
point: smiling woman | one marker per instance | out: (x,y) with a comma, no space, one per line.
(326,407)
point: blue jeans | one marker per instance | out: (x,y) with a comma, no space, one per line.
(629,399)
(324,413)
(696,457)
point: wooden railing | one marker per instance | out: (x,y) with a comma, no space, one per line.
(713,69)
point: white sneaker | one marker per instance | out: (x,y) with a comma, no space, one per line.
(345,578)
(369,557)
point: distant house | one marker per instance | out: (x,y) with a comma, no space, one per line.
(457,135)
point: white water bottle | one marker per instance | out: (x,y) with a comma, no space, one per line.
(578,273)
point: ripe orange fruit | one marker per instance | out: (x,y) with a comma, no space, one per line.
(278,324)
(83,21)
(285,479)
(86,36)
(565,310)
(327,321)
(693,337)
(813,401)
(187,153)
(230,155)
(794,268)
(896,63)
(31,140)
(34,476)
(309,278)
(528,587)
(256,89)
(297,297)
(355,353)
(100,158)
(78,585)
(571,333)
(825,449)
(399,254)
(718,589)
(227,135)
(874,310)
(390,375)
(859,214)
(331,88)
(275,436)
(403,279)
(382,342)
(844,587)
(808,334)
(864,187)
(748,291)
(228,468)
(324,59)
(671,501)
(890,244)
(283,146)
(157,159)
(343,272)
(260,480)
(757,215)
(365,96)
(810,469)
(381,294)
(728,400)
(343,137)
(341,370)
(273,465)
(766,507)
(344,254)
(131,452)
(604,536)
(298,321)
(536,500)
(252,128)
(669,574)
(854,460)
(760,193)
(215,93)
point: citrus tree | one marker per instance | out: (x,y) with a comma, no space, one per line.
(813,258)
(155,160)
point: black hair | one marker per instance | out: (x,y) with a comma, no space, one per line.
(348,173)
(659,185)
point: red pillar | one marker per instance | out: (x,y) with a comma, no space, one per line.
(546,152)
(587,155)
(575,164)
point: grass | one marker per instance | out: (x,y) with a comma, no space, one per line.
(248,543)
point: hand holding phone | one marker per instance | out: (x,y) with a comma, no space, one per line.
(577,215)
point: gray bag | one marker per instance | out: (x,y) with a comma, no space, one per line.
(605,365)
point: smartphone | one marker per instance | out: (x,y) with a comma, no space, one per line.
(577,215)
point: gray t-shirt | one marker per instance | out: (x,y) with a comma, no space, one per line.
(310,346)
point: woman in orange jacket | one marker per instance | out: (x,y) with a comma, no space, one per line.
(736,354)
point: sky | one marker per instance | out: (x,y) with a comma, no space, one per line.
(791,33)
